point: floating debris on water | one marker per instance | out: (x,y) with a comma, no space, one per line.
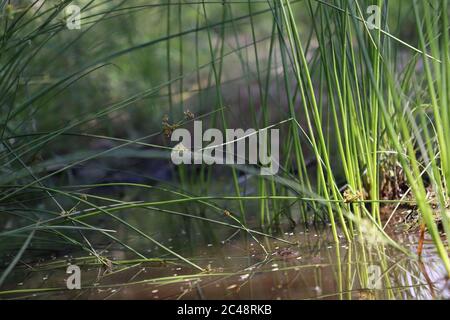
(244,277)
(231,287)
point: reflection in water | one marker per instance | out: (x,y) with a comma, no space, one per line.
(315,268)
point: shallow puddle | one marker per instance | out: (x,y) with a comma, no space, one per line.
(239,268)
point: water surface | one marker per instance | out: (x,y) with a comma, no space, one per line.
(238,267)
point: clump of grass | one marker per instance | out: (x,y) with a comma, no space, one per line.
(348,104)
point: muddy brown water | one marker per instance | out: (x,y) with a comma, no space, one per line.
(237,268)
